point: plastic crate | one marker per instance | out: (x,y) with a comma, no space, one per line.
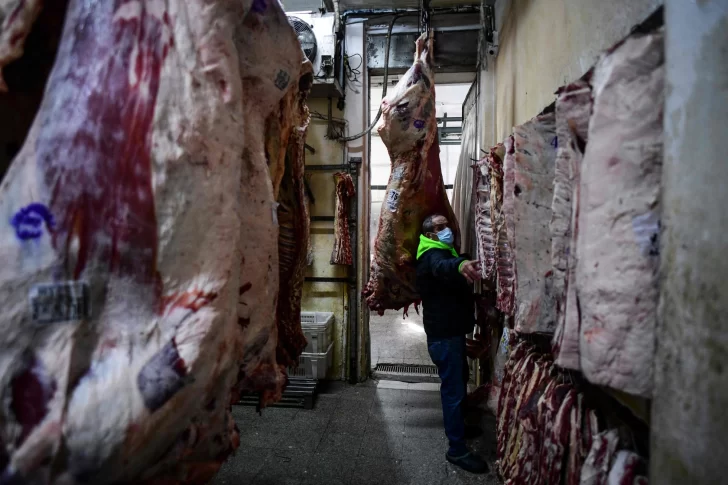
(318,327)
(313,366)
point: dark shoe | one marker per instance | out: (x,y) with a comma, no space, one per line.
(468,462)
(472,432)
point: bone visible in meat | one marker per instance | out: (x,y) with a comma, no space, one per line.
(341,253)
(415,189)
(575,458)
(527,197)
(559,403)
(573,108)
(526,466)
(507,386)
(626,468)
(16,19)
(522,363)
(598,463)
(487,204)
(532,377)
(619,217)
(505,265)
(483,228)
(130,314)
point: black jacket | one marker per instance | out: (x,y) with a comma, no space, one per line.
(448,305)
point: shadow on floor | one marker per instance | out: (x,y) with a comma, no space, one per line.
(355,435)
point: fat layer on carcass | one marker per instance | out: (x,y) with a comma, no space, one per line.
(619,217)
(415,189)
(128,318)
(573,108)
(527,197)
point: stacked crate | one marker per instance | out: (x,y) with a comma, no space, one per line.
(317,358)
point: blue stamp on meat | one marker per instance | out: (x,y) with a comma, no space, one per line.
(29,222)
(162,376)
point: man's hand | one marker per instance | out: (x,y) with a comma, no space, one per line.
(471,271)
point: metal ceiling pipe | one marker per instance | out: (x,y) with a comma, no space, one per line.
(367,12)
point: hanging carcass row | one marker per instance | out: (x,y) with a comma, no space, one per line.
(415,189)
(129,320)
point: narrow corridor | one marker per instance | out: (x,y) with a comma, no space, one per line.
(376,433)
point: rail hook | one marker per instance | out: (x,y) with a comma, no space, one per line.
(425,16)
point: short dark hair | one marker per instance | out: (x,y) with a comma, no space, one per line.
(427,225)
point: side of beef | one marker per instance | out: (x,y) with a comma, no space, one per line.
(415,189)
(527,196)
(505,264)
(341,254)
(573,109)
(619,217)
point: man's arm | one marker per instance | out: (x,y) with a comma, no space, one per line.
(444,265)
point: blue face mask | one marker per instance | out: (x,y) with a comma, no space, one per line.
(445,236)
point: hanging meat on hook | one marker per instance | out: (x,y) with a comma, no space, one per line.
(415,189)
(130,322)
(341,254)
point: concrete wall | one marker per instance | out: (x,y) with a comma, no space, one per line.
(334,297)
(689,420)
(547,43)
(325,297)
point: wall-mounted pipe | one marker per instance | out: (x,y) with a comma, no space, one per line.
(386,76)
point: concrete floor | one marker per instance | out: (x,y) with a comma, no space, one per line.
(375,433)
(398,341)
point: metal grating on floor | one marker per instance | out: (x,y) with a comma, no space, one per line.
(408,370)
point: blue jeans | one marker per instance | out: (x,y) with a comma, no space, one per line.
(449,356)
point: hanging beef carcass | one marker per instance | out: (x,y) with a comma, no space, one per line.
(341,254)
(415,189)
(16,19)
(128,315)
(619,217)
(504,264)
(573,109)
(487,202)
(527,195)
(285,138)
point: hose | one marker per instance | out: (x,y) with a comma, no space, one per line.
(386,78)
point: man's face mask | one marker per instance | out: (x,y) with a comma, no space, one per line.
(446,237)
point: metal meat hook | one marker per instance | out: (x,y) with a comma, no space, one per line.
(425,16)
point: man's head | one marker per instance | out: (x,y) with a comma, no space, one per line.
(433,225)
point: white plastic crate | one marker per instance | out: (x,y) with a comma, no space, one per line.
(314,366)
(318,327)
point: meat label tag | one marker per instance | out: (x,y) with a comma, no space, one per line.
(398,173)
(282,79)
(60,302)
(393,200)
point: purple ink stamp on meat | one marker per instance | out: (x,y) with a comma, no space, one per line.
(259,6)
(29,221)
(419,124)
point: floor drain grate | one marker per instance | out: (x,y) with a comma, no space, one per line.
(407,369)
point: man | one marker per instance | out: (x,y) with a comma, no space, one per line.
(443,282)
